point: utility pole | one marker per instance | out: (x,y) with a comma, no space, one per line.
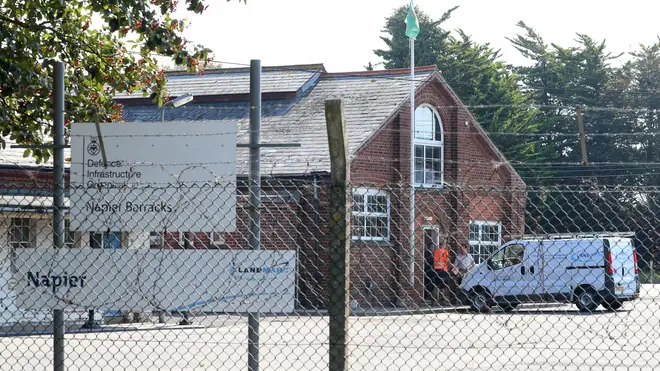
(583,143)
(339,295)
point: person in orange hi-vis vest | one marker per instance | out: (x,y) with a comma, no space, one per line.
(442,266)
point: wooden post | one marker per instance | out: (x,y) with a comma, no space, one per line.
(339,294)
(583,143)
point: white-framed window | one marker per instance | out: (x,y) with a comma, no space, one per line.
(71,238)
(156,239)
(187,240)
(485,238)
(371,215)
(429,147)
(21,233)
(217,239)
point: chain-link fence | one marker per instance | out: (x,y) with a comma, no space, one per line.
(496,278)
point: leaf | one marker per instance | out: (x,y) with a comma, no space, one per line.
(94,58)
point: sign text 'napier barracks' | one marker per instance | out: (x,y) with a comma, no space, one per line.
(177,176)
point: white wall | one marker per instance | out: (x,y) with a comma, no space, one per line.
(42,228)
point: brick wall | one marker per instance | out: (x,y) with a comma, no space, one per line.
(28,180)
(469,164)
(379,271)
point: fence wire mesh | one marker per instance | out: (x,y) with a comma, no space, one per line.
(495,278)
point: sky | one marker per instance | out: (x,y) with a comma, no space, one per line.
(342,34)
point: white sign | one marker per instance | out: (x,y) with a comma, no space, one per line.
(175,176)
(144,280)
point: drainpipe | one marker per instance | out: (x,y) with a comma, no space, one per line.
(317,245)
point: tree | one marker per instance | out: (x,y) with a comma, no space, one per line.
(561,78)
(429,45)
(98,60)
(621,122)
(474,71)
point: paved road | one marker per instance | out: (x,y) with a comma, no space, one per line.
(533,338)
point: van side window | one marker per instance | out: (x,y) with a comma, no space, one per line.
(508,257)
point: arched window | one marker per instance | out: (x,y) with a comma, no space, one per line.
(429,147)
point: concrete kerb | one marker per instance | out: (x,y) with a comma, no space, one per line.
(73,328)
(381,312)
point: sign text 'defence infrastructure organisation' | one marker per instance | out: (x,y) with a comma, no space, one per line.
(159,176)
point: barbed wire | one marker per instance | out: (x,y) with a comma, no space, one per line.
(295,185)
(532,106)
(387,130)
(309,162)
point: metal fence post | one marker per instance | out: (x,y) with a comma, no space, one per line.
(58,201)
(339,295)
(255,198)
(58,340)
(58,157)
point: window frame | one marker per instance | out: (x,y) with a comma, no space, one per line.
(31,235)
(480,243)
(217,239)
(156,239)
(123,243)
(425,143)
(367,193)
(71,238)
(506,257)
(186,240)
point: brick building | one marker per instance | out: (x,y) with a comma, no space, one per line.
(466,192)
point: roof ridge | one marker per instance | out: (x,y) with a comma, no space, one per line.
(394,71)
(312,67)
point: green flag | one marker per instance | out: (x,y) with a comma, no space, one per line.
(412,25)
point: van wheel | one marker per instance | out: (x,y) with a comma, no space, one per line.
(586,300)
(480,301)
(612,305)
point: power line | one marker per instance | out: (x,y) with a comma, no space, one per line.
(242,106)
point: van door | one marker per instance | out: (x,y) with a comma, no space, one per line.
(511,266)
(623,266)
(559,274)
(531,271)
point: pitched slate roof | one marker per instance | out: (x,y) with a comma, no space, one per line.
(233,81)
(369,100)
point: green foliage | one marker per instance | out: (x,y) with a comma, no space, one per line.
(430,42)
(619,105)
(474,71)
(530,113)
(97,61)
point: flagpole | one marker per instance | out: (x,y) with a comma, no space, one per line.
(412,30)
(411,253)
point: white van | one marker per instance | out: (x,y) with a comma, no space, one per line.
(586,271)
